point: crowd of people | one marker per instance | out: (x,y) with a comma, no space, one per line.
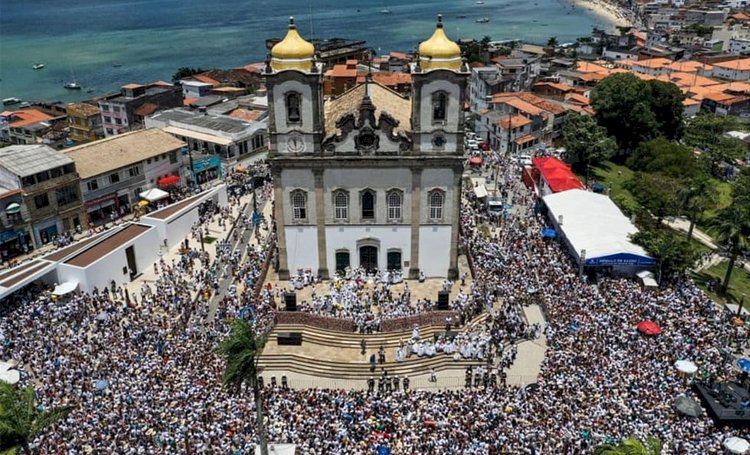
(161,392)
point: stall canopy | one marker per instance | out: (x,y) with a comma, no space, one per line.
(65,288)
(592,222)
(8,373)
(169,180)
(480,191)
(558,175)
(154,194)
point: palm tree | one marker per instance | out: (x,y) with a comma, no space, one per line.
(695,197)
(242,350)
(732,227)
(21,420)
(631,446)
(552,41)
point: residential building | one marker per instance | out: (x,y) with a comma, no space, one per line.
(114,171)
(27,126)
(119,112)
(84,122)
(370,179)
(50,189)
(195,88)
(733,70)
(15,226)
(340,78)
(225,140)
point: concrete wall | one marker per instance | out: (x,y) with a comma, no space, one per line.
(302,247)
(434,250)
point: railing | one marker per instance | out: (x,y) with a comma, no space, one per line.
(345,325)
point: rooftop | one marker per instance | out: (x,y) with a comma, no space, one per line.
(383,98)
(89,255)
(740,64)
(123,150)
(25,160)
(84,109)
(26,117)
(213,122)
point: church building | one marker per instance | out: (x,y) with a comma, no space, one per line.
(369,178)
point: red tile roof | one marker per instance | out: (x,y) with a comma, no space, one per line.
(146,109)
(28,117)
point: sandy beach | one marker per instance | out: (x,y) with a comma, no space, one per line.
(613,14)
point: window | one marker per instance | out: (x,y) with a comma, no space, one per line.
(394,205)
(118,121)
(105,107)
(28,180)
(69,168)
(436,205)
(116,108)
(110,131)
(299,205)
(133,171)
(56,172)
(67,195)
(41,201)
(439,102)
(92,185)
(172,158)
(368,204)
(107,119)
(114,178)
(292,108)
(42,176)
(341,205)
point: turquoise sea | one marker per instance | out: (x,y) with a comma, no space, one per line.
(150,39)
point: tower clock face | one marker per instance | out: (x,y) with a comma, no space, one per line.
(295,143)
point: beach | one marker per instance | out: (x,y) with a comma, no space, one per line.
(616,15)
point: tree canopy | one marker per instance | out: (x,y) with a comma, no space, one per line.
(634,111)
(186,71)
(664,157)
(631,446)
(706,133)
(586,142)
(656,192)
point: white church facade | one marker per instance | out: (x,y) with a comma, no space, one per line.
(370,178)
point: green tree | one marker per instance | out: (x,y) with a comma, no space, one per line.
(631,446)
(586,142)
(664,157)
(21,420)
(623,106)
(656,193)
(552,41)
(242,349)
(186,71)
(666,104)
(697,196)
(731,227)
(706,133)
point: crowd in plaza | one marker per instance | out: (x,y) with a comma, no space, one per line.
(141,370)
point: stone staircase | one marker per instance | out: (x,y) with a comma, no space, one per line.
(304,361)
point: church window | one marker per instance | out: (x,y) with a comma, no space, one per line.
(368,205)
(394,205)
(299,205)
(437,199)
(341,205)
(439,103)
(292,108)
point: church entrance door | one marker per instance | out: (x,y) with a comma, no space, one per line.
(368,258)
(342,261)
(394,260)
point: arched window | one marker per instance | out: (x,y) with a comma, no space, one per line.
(341,205)
(437,199)
(292,108)
(299,205)
(368,204)
(394,205)
(439,104)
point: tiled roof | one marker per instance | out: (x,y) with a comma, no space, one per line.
(383,98)
(123,150)
(146,109)
(84,109)
(28,117)
(516,121)
(741,64)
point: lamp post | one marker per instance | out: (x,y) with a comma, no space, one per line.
(582,264)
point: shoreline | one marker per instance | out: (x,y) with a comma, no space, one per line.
(616,15)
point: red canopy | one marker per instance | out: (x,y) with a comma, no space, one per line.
(169,180)
(558,175)
(649,328)
(475,160)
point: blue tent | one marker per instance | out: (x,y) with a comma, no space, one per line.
(744,364)
(549,233)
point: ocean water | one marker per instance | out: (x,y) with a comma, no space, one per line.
(84,39)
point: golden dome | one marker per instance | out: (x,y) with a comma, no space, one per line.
(439,52)
(293,52)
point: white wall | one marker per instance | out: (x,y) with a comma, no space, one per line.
(346,237)
(434,250)
(301,247)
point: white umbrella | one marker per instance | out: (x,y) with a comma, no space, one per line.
(10,376)
(686,366)
(154,194)
(65,288)
(737,445)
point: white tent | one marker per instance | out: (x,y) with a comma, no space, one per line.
(735,445)
(686,366)
(7,374)
(480,191)
(278,449)
(65,288)
(154,194)
(647,278)
(592,222)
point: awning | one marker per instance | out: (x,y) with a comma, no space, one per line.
(65,288)
(524,139)
(475,160)
(169,180)
(13,207)
(480,191)
(199,136)
(155,194)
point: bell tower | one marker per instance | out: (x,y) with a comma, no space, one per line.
(438,95)
(294,81)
